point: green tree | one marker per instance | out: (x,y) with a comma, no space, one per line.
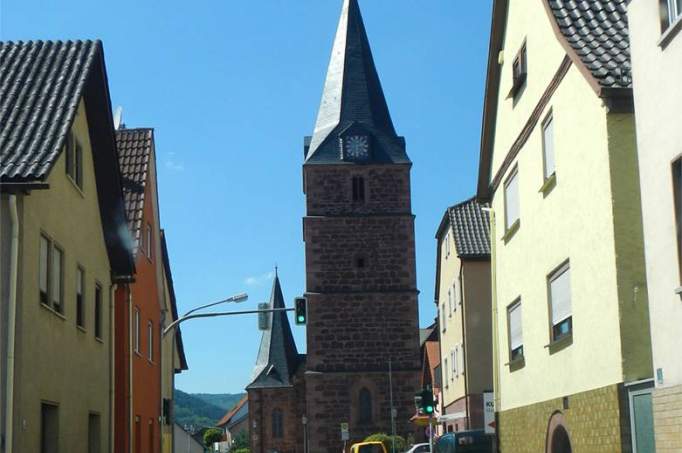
(389,442)
(212,435)
(242,450)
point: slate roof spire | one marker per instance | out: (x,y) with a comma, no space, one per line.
(353,96)
(277,357)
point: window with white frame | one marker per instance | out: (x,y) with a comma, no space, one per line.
(671,11)
(80,288)
(148,241)
(560,302)
(447,244)
(136,331)
(445,373)
(74,159)
(450,304)
(442,312)
(98,311)
(57,279)
(44,272)
(457,285)
(511,200)
(548,146)
(460,358)
(150,341)
(453,363)
(515,331)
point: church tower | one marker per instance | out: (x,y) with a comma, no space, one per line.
(360,255)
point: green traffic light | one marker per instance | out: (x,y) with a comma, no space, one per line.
(301,319)
(429,409)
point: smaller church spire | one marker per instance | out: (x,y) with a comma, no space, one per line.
(277,357)
(353,99)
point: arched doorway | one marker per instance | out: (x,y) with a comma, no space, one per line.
(558,438)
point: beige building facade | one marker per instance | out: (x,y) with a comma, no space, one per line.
(64,250)
(559,167)
(463,298)
(657,70)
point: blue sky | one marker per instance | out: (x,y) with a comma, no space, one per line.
(231,88)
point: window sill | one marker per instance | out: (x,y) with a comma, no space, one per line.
(678,291)
(53,311)
(517,364)
(548,186)
(670,33)
(99,340)
(560,344)
(81,329)
(511,231)
(75,186)
(137,353)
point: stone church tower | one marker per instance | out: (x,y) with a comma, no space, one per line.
(360,255)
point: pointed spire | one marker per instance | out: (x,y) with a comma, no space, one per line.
(353,95)
(277,357)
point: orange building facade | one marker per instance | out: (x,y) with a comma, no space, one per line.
(138,310)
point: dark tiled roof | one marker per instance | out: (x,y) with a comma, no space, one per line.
(471,228)
(134,152)
(278,358)
(41,84)
(598,32)
(353,97)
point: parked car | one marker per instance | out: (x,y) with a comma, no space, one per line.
(368,447)
(464,442)
(419,448)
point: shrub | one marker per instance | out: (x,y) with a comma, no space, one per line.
(388,442)
(242,450)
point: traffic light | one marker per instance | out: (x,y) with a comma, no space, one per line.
(300,312)
(428,405)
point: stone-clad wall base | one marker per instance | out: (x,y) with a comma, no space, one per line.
(597,422)
(332,399)
(667,406)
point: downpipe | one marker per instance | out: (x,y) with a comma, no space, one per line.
(12,323)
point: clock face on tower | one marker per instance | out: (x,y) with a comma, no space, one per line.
(356,147)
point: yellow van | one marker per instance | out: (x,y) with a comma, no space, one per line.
(368,447)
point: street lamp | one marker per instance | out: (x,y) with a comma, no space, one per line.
(237,298)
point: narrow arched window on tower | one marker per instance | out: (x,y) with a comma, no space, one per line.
(277,424)
(358,189)
(364,406)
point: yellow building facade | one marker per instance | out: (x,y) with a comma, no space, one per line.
(559,167)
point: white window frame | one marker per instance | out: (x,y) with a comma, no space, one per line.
(450,305)
(150,341)
(514,306)
(512,178)
(566,315)
(136,339)
(457,285)
(80,296)
(148,241)
(453,363)
(44,269)
(442,311)
(447,245)
(445,372)
(674,12)
(57,272)
(99,311)
(548,148)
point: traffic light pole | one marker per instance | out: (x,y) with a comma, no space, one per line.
(430,433)
(178,321)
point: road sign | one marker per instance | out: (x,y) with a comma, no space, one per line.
(489,412)
(345,433)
